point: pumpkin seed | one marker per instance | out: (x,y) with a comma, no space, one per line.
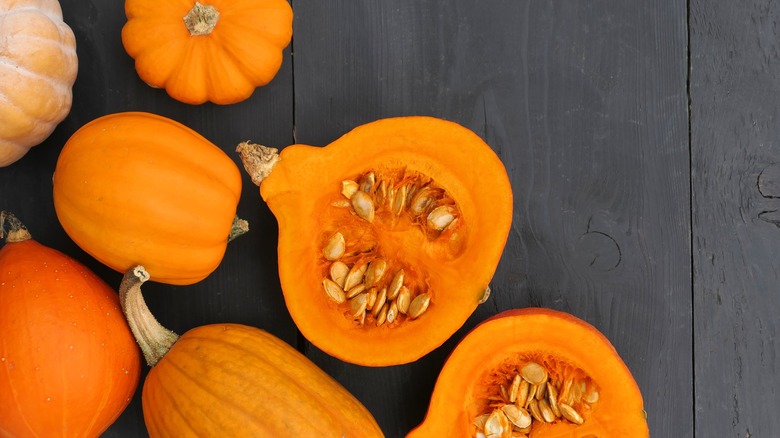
(363,205)
(371,298)
(592,397)
(395,285)
(367,183)
(357,305)
(348,188)
(421,201)
(522,393)
(341,203)
(496,423)
(335,247)
(403,299)
(333,290)
(517,416)
(375,272)
(419,305)
(440,217)
(570,414)
(400,200)
(382,316)
(514,388)
(381,298)
(355,275)
(534,373)
(480,421)
(392,311)
(547,414)
(381,193)
(552,398)
(541,391)
(351,293)
(533,407)
(338,273)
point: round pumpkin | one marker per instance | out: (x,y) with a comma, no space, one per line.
(218,51)
(535,372)
(38,71)
(234,380)
(68,362)
(141,188)
(388,237)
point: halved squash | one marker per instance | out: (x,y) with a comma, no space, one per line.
(539,373)
(388,237)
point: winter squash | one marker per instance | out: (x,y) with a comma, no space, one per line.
(539,373)
(388,237)
(68,362)
(249,382)
(217,51)
(141,188)
(38,70)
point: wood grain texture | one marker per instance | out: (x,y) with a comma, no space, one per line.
(586,104)
(736,225)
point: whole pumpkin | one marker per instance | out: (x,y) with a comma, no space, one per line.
(68,362)
(534,372)
(38,71)
(233,380)
(141,188)
(388,236)
(217,51)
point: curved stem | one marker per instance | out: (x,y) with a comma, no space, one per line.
(17,232)
(258,160)
(154,339)
(240,226)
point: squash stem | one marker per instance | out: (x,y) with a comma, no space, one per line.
(201,19)
(17,232)
(240,226)
(258,160)
(154,339)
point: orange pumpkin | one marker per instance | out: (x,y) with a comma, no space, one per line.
(140,188)
(219,51)
(38,71)
(233,380)
(68,362)
(535,371)
(388,237)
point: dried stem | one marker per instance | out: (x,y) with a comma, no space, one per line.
(17,232)
(154,339)
(201,19)
(258,160)
(240,226)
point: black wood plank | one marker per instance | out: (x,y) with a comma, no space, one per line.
(245,288)
(586,104)
(736,225)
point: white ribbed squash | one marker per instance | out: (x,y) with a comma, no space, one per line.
(38,66)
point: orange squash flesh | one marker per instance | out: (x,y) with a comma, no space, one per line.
(453,266)
(141,188)
(562,343)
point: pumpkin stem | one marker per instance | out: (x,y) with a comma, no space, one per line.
(17,232)
(154,339)
(240,226)
(201,19)
(485,295)
(258,160)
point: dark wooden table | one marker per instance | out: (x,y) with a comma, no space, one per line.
(642,140)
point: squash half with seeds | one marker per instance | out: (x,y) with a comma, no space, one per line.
(388,237)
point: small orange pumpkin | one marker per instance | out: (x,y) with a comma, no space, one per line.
(141,188)
(68,362)
(541,372)
(388,237)
(218,51)
(38,71)
(233,380)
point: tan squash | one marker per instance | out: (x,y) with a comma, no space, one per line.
(534,372)
(38,71)
(388,237)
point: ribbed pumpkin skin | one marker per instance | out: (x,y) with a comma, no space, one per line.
(68,362)
(237,381)
(38,71)
(244,51)
(134,188)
